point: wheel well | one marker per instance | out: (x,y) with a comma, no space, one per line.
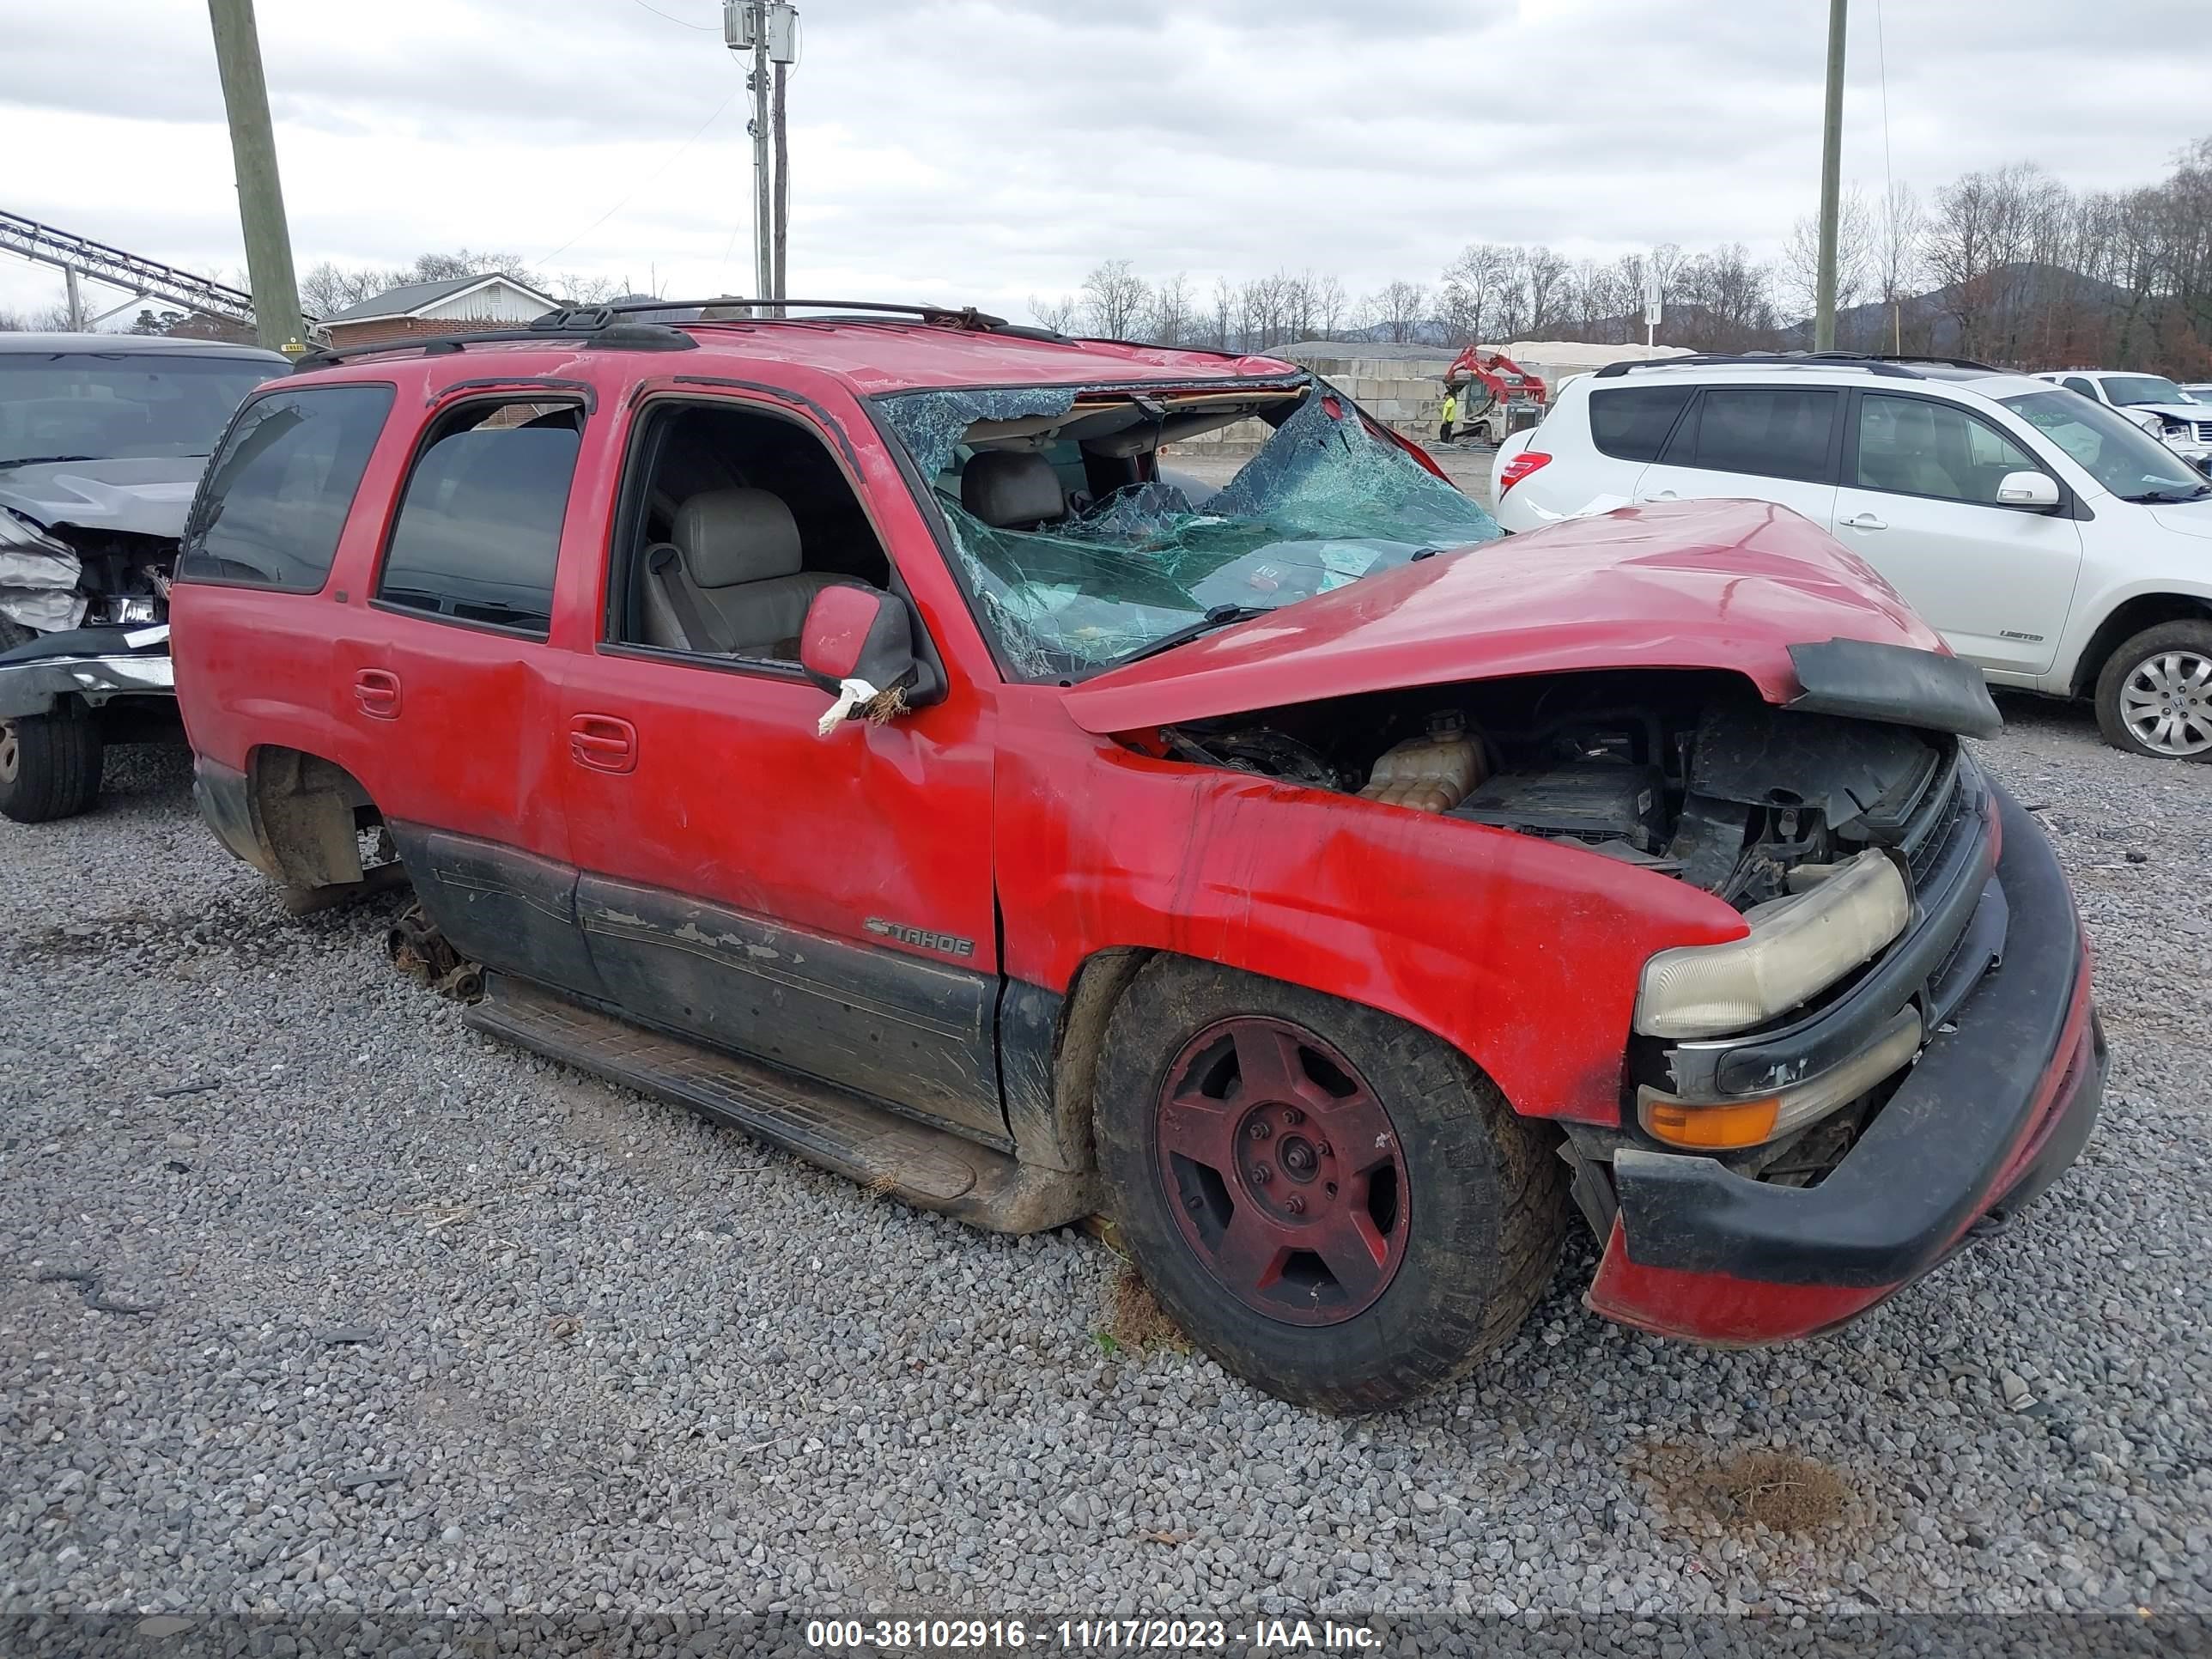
(308,812)
(1098,984)
(2147,610)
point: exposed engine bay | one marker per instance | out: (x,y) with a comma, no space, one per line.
(1687,774)
(52,579)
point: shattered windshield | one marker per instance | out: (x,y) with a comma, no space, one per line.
(1080,558)
(108,405)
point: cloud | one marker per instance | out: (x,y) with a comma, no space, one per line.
(989,149)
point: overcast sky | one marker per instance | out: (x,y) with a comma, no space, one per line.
(988,152)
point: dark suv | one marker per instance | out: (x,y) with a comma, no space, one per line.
(102,439)
(839,725)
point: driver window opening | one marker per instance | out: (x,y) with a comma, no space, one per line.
(736,521)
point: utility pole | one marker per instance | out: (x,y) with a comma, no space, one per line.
(782,234)
(766,32)
(75,300)
(260,197)
(764,184)
(1831,159)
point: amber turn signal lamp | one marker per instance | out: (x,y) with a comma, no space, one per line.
(1738,1123)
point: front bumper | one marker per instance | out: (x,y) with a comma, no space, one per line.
(92,663)
(1988,1117)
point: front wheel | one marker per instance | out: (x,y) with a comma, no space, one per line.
(1336,1205)
(50,765)
(2155,694)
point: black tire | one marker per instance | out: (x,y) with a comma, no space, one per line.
(2189,639)
(1486,1194)
(50,765)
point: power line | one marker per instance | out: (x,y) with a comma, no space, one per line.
(649,178)
(685,22)
(1882,61)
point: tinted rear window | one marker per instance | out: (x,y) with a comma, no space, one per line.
(479,529)
(1631,422)
(277,492)
(1771,432)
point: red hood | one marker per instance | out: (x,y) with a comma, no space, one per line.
(1721,584)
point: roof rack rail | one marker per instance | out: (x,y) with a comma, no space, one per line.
(965,317)
(614,326)
(615,334)
(1883,365)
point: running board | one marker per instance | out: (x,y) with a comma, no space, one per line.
(929,1168)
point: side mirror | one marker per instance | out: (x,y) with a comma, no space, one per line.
(2028,490)
(858,645)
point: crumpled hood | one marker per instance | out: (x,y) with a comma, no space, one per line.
(2191,412)
(144,496)
(1725,585)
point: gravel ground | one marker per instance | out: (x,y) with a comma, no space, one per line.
(423,1323)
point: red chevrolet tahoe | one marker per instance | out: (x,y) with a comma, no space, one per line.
(846,725)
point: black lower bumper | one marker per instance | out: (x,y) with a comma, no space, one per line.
(1988,1117)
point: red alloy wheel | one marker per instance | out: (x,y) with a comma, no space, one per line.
(1284,1171)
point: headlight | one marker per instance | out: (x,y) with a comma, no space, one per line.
(2175,429)
(1796,946)
(1721,1124)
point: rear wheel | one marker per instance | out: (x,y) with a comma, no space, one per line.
(50,765)
(1336,1205)
(2154,695)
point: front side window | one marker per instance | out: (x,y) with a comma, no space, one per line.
(1770,432)
(2110,448)
(478,529)
(1912,447)
(2131,391)
(1079,556)
(112,405)
(276,497)
(1631,424)
(2087,388)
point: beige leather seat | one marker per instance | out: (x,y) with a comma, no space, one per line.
(731,583)
(1906,461)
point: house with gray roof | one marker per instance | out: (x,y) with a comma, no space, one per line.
(460,305)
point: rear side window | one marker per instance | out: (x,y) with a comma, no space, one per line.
(479,531)
(1771,432)
(277,494)
(1631,424)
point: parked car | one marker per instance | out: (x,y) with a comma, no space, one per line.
(2171,413)
(837,727)
(2047,538)
(102,438)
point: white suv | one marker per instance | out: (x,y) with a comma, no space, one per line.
(2045,535)
(2172,413)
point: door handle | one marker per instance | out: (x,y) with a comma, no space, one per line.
(603,743)
(1660,495)
(1864,522)
(377,691)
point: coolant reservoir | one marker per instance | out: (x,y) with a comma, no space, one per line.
(1430,774)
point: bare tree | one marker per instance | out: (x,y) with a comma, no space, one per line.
(54,319)
(1170,321)
(1543,270)
(1114,298)
(1398,308)
(1060,316)
(1330,304)
(1470,292)
(1856,262)
(1225,310)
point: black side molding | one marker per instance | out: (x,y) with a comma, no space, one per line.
(1895,682)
